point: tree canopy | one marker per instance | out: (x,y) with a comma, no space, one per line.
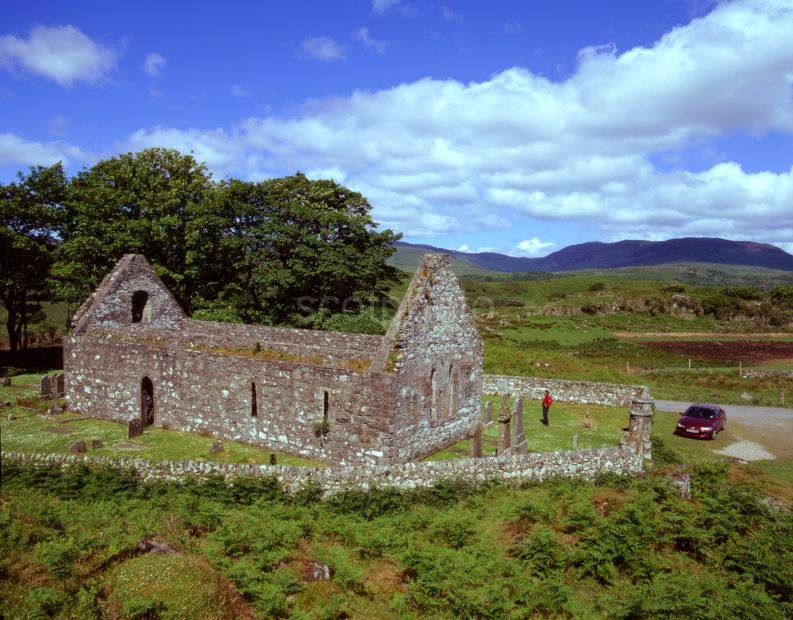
(274,251)
(30,216)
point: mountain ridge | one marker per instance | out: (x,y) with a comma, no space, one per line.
(616,255)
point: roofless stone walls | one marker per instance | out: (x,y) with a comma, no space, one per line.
(343,398)
(434,350)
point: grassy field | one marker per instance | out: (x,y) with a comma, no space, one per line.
(566,420)
(532,324)
(37,431)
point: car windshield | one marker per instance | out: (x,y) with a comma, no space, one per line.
(701,412)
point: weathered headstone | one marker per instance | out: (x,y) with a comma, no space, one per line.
(504,409)
(575,441)
(489,413)
(55,407)
(216,447)
(135,428)
(586,424)
(6,381)
(476,442)
(78,447)
(59,386)
(518,415)
(96,444)
(273,460)
(45,387)
(503,422)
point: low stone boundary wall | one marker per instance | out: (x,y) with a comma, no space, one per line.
(565,390)
(510,470)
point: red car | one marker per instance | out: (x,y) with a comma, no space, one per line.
(701,421)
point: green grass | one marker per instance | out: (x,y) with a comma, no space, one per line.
(565,421)
(27,433)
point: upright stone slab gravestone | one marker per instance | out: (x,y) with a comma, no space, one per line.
(45,387)
(504,408)
(503,422)
(476,442)
(135,428)
(60,392)
(517,414)
(489,413)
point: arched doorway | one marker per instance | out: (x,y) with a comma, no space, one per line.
(147,401)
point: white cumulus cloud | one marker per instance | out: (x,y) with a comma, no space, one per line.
(533,247)
(325,49)
(436,156)
(17,151)
(63,54)
(362,35)
(154,64)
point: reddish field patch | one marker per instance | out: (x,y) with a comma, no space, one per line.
(748,352)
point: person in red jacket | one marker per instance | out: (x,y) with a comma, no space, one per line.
(547,401)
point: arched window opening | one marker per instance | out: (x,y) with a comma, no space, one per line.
(140,301)
(147,401)
(254,406)
(451,392)
(434,397)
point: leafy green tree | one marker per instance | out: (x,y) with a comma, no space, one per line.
(133,203)
(30,219)
(289,246)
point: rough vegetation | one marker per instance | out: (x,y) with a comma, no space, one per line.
(71,546)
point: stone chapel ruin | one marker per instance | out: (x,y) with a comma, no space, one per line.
(343,398)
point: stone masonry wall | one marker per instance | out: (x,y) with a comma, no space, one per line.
(583,392)
(510,470)
(434,349)
(111,302)
(199,391)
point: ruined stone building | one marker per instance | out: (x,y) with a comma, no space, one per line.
(344,398)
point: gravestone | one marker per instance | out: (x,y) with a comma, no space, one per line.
(503,422)
(6,381)
(55,407)
(504,409)
(273,460)
(59,386)
(135,428)
(216,447)
(575,441)
(489,413)
(476,442)
(45,387)
(78,447)
(96,444)
(517,413)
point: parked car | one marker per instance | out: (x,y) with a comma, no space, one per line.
(701,420)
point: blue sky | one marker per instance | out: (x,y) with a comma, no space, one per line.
(520,127)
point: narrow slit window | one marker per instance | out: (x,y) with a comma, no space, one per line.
(325,407)
(433,397)
(254,406)
(451,392)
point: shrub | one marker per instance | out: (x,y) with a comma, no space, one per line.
(353,323)
(596,286)
(57,556)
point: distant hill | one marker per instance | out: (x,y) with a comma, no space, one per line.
(597,255)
